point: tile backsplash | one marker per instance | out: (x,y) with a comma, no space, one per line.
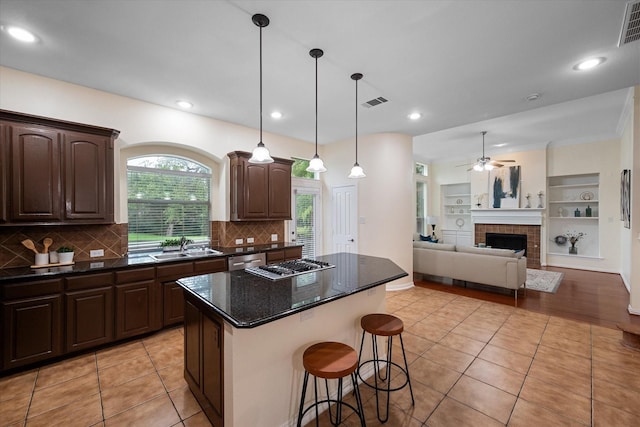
(113,239)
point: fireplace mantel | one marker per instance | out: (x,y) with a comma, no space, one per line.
(522,216)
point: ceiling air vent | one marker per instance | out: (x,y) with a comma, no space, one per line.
(631,24)
(376,101)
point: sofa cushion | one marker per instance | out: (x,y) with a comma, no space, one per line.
(436,246)
(509,253)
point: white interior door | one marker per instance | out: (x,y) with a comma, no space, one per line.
(345,219)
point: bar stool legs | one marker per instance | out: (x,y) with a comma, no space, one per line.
(330,360)
(389,326)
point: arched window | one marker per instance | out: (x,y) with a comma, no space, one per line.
(167,198)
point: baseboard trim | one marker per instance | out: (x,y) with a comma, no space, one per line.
(573,267)
(633,310)
(400,286)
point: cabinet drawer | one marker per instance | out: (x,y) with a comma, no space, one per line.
(32,289)
(175,271)
(135,275)
(210,266)
(293,253)
(89,281)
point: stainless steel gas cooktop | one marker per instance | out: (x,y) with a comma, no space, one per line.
(291,268)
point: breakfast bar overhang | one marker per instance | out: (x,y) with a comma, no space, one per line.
(245,335)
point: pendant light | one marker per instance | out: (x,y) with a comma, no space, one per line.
(260,154)
(356,170)
(316,164)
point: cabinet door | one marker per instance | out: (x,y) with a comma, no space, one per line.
(89,318)
(31,330)
(293,253)
(275,256)
(134,308)
(212,368)
(192,344)
(279,191)
(173,303)
(4,171)
(36,192)
(256,191)
(88,177)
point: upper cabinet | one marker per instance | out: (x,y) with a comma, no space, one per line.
(54,172)
(259,191)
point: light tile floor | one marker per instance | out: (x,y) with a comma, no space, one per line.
(472,363)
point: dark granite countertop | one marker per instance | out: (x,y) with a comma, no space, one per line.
(247,301)
(9,274)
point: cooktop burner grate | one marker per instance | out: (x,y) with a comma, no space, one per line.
(289,268)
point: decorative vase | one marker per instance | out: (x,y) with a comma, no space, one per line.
(588,211)
(573,250)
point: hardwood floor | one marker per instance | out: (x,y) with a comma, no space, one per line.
(588,296)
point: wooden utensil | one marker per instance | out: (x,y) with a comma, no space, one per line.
(47,242)
(28,243)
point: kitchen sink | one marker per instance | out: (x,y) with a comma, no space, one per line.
(164,257)
(202,252)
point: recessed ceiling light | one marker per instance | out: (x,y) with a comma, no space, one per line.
(276,115)
(588,64)
(184,104)
(415,116)
(21,34)
(500,145)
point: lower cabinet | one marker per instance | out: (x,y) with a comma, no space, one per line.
(32,328)
(89,318)
(457,237)
(137,302)
(88,310)
(204,360)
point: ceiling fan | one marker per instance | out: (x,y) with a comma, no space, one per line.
(484,162)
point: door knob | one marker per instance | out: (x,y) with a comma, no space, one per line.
(351,240)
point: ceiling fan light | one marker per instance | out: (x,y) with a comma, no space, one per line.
(488,166)
(477,167)
(316,165)
(357,172)
(260,154)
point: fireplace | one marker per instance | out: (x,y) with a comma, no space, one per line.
(507,241)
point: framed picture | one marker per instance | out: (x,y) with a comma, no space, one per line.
(625,197)
(504,187)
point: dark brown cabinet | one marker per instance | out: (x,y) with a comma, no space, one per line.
(138,308)
(31,322)
(89,311)
(285,254)
(204,360)
(173,295)
(259,191)
(56,172)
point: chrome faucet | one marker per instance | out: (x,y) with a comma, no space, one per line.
(184,242)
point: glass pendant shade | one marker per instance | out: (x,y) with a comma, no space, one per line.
(260,154)
(316,165)
(357,172)
(478,167)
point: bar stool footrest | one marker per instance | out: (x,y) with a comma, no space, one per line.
(380,361)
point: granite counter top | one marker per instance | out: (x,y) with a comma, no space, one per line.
(141,259)
(247,301)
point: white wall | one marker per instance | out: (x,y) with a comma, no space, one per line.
(385,204)
(384,196)
(634,235)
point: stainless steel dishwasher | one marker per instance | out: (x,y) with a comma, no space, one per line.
(240,262)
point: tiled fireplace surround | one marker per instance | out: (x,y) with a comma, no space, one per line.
(113,238)
(531,231)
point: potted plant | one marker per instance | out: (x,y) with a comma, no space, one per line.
(573,239)
(65,254)
(170,245)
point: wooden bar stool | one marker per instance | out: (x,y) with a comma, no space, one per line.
(384,325)
(330,360)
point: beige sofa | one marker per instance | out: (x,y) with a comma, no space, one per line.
(504,268)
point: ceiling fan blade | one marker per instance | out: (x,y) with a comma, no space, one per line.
(466,164)
(496,165)
(505,161)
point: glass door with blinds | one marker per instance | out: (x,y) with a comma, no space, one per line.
(305,224)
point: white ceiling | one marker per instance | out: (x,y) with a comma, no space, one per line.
(467,66)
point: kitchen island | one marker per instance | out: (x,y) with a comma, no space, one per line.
(245,335)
